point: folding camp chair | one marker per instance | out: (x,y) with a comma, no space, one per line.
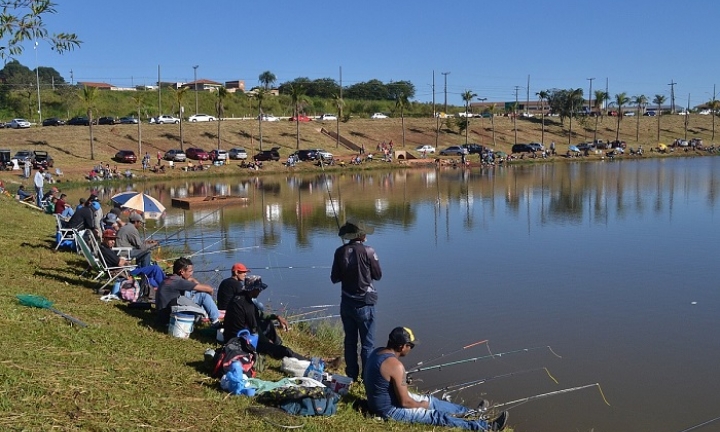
(62,234)
(98,265)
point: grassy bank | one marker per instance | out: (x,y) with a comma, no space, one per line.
(119,373)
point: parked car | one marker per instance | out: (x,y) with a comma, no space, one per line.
(326,155)
(201,118)
(629,114)
(128,120)
(106,120)
(268,118)
(163,119)
(268,155)
(237,153)
(649,114)
(454,151)
(79,121)
(586,146)
(301,118)
(5,159)
(125,156)
(42,158)
(218,155)
(523,148)
(537,146)
(463,114)
(473,148)
(197,154)
(306,155)
(427,148)
(175,155)
(326,117)
(53,121)
(705,112)
(23,155)
(19,123)
(378,116)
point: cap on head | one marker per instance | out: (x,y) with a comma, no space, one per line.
(400,336)
(109,234)
(354,229)
(253,283)
(111,218)
(136,218)
(92,197)
(240,267)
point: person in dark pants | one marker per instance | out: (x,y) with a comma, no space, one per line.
(356,266)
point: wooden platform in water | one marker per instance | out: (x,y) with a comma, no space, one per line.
(209,201)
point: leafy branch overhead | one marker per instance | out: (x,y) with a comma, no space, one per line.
(22,20)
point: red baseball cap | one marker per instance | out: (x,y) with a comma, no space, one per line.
(240,267)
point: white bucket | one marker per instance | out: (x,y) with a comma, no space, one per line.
(340,384)
(181,325)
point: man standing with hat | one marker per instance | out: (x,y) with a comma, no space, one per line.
(129,236)
(388,396)
(356,266)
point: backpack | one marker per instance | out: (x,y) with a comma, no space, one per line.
(236,349)
(129,290)
(302,401)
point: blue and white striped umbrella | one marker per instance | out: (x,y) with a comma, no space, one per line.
(138,201)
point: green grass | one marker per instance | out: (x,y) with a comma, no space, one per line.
(119,373)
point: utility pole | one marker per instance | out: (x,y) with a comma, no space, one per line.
(590,95)
(672,97)
(527,96)
(437,117)
(607,92)
(159,93)
(72,78)
(446,74)
(195,82)
(517,88)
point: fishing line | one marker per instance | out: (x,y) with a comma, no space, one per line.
(306,313)
(209,253)
(327,187)
(269,267)
(196,222)
(455,352)
(313,319)
(701,424)
(474,359)
(517,402)
(455,388)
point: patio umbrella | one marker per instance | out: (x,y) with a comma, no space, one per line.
(140,202)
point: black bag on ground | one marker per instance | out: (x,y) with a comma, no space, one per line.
(236,349)
(302,401)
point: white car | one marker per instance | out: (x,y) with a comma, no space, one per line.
(162,119)
(328,117)
(268,117)
(201,118)
(629,114)
(237,153)
(19,123)
(427,148)
(464,114)
(378,116)
(326,155)
(705,112)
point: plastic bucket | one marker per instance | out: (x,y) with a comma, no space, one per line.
(181,325)
(340,384)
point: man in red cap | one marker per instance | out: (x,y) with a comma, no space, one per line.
(231,286)
(154,273)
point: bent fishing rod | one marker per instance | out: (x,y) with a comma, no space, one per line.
(432,360)
(260,268)
(455,388)
(474,359)
(517,402)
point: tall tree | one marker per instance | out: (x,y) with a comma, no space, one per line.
(139,101)
(260,95)
(339,104)
(267,79)
(493,109)
(297,98)
(401,102)
(639,101)
(542,95)
(179,96)
(22,20)
(220,105)
(620,100)
(467,97)
(600,98)
(659,100)
(713,105)
(574,100)
(89,98)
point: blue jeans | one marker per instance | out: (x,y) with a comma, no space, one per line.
(38,196)
(142,257)
(154,273)
(357,321)
(206,301)
(439,413)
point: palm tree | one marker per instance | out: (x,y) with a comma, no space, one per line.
(179,96)
(138,99)
(260,96)
(493,109)
(267,78)
(600,98)
(543,95)
(659,100)
(89,97)
(575,99)
(713,105)
(297,97)
(401,102)
(620,100)
(339,104)
(467,96)
(221,95)
(640,101)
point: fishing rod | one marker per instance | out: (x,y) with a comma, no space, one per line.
(701,424)
(474,359)
(455,388)
(268,267)
(194,223)
(332,203)
(209,253)
(313,319)
(306,313)
(517,402)
(455,352)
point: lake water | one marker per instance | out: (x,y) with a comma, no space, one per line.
(612,264)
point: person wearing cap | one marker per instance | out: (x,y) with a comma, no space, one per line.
(154,273)
(243,314)
(97,212)
(385,383)
(232,286)
(129,236)
(110,222)
(39,181)
(356,266)
(182,283)
(83,219)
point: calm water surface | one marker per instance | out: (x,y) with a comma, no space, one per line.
(610,264)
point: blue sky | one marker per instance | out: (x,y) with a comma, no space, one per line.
(489,47)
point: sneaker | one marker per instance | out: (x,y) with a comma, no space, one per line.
(500,421)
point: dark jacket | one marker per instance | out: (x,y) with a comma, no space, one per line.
(356,266)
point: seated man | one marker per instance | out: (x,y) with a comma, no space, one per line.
(129,236)
(22,195)
(388,395)
(154,273)
(182,283)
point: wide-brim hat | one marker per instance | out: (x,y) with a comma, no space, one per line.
(354,228)
(253,283)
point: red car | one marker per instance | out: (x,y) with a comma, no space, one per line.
(301,118)
(197,154)
(125,156)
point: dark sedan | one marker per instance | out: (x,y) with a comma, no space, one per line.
(53,121)
(125,156)
(79,121)
(107,120)
(128,120)
(268,155)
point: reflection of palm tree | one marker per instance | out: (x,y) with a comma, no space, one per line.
(543,95)
(640,101)
(89,97)
(659,100)
(620,100)
(297,97)
(221,95)
(467,96)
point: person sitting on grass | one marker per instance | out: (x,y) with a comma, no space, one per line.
(22,195)
(154,273)
(182,283)
(385,383)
